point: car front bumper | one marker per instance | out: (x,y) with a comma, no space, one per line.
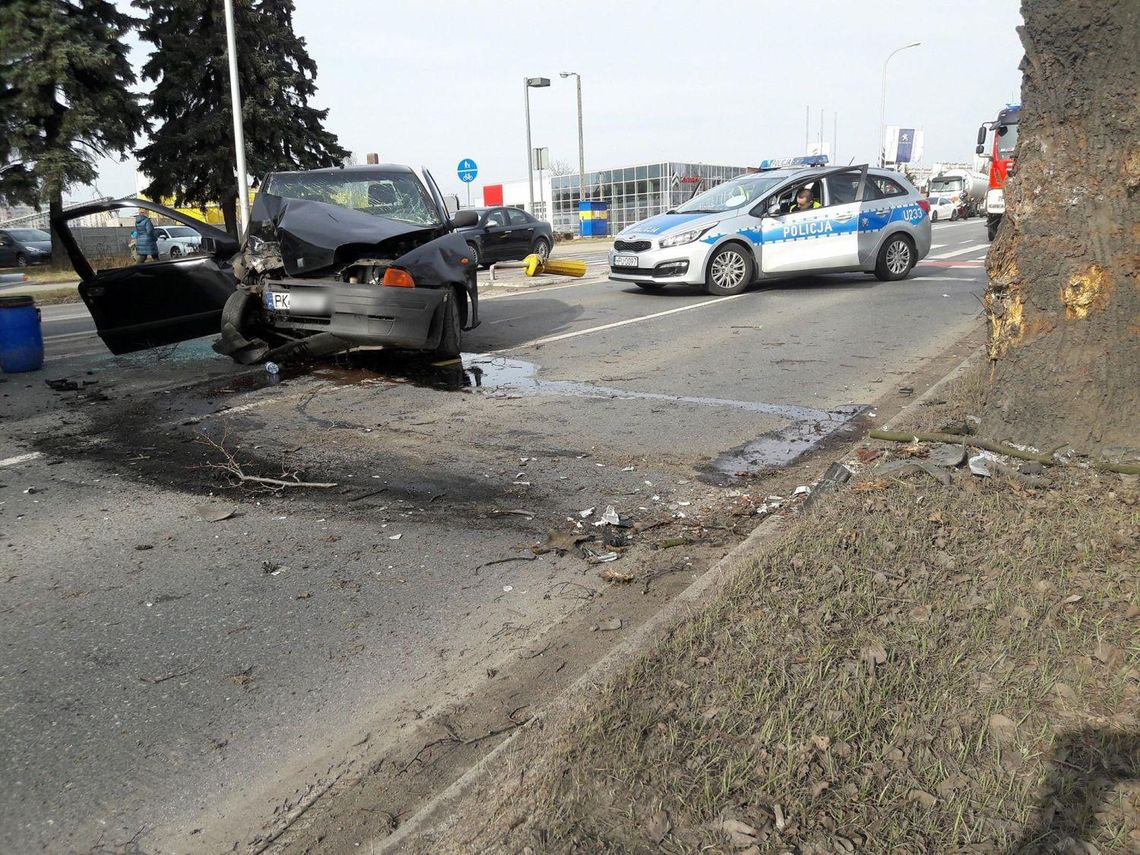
(676,264)
(362,314)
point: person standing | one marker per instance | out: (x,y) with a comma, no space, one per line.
(146,244)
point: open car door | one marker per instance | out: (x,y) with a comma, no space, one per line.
(137,306)
(819,239)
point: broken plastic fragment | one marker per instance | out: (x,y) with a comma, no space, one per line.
(586,513)
(609,517)
(395,537)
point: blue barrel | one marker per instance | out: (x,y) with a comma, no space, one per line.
(21,339)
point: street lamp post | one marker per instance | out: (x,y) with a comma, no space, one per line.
(581,149)
(239,132)
(528,84)
(883,104)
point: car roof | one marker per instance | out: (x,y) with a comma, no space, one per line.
(361,170)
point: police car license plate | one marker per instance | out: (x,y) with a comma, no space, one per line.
(625,261)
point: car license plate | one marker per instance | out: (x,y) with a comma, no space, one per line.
(625,261)
(277,301)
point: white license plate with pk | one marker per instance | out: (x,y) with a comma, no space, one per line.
(625,261)
(277,301)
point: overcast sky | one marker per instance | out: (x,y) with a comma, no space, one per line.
(425,82)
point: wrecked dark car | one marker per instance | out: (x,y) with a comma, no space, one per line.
(333,259)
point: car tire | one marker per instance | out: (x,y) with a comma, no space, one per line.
(953,216)
(542,248)
(729,271)
(476,258)
(451,336)
(896,258)
(175,252)
(934,216)
(21,260)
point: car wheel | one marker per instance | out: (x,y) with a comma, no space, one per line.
(650,286)
(953,216)
(542,248)
(729,271)
(451,336)
(476,258)
(21,260)
(896,259)
(175,252)
(934,216)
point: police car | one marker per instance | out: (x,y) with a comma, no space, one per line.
(749,229)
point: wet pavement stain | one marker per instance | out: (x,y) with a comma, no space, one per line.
(499,376)
(783,447)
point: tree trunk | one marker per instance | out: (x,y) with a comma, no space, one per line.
(1063,302)
(228,205)
(58,253)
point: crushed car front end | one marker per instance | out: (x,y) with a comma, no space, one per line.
(318,276)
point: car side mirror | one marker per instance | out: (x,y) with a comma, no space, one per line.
(773,209)
(464,219)
(981,149)
(981,137)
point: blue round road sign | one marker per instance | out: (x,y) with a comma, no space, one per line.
(467,170)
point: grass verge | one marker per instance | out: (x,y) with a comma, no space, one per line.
(911,668)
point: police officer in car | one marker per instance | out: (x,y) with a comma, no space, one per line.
(805,201)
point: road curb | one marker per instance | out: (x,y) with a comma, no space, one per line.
(436,812)
(965,365)
(644,638)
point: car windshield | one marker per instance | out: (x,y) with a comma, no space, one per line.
(181,232)
(730,195)
(29,235)
(1007,140)
(394,195)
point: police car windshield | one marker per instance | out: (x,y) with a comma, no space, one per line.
(737,193)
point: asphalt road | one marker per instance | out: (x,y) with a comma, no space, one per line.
(168,682)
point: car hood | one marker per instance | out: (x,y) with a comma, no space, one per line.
(664,223)
(315,236)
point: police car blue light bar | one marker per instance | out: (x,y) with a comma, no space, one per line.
(785,162)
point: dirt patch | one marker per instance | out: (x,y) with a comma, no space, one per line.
(911,668)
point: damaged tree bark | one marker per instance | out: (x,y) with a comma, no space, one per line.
(1063,302)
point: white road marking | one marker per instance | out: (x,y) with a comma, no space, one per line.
(576,333)
(20,458)
(541,289)
(944,255)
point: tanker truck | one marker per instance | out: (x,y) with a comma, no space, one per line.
(962,183)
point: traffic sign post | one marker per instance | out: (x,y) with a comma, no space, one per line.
(467,170)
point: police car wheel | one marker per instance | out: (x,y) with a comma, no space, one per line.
(896,259)
(729,271)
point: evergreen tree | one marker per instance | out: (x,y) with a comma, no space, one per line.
(64,99)
(191,154)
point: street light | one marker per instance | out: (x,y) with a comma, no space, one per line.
(528,84)
(581,150)
(239,133)
(883,104)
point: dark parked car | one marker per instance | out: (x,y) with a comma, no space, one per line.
(21,247)
(507,234)
(334,258)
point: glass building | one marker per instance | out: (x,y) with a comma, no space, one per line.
(635,192)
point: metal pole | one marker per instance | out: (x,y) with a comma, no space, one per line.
(529,152)
(883,104)
(581,148)
(239,132)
